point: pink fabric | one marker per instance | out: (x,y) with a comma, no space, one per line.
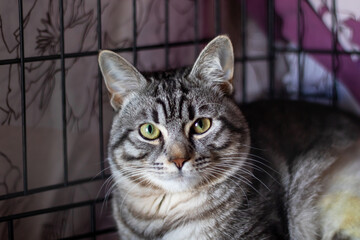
(316,35)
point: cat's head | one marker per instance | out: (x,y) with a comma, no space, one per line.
(177,130)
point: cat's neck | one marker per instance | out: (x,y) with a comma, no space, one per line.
(160,203)
(143,201)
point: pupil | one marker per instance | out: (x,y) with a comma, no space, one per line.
(149,129)
(200,124)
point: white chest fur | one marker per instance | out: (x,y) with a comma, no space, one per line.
(151,212)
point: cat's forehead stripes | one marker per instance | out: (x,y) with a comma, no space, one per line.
(162,108)
(155,116)
(191,112)
(171,100)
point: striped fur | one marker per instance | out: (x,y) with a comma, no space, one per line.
(226,189)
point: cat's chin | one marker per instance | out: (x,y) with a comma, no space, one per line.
(178,182)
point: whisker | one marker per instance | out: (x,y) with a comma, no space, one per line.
(252,174)
(248,154)
(248,182)
(240,178)
(100,172)
(110,180)
(235,157)
(243,170)
(236,183)
(143,179)
(107,193)
(252,147)
(251,164)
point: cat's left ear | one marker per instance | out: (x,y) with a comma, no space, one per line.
(121,78)
(215,64)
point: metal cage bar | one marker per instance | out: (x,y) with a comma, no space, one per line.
(134,34)
(95,53)
(300,53)
(10,229)
(91,204)
(93,220)
(50,187)
(271,48)
(100,89)
(196,27)
(23,98)
(334,54)
(244,51)
(63,93)
(50,210)
(166,34)
(217,17)
(277,49)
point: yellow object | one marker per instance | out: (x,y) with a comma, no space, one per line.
(342,211)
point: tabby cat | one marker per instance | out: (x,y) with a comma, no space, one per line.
(187,163)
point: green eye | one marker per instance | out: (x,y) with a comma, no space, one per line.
(149,131)
(202,125)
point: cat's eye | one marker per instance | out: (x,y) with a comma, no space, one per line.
(149,131)
(201,125)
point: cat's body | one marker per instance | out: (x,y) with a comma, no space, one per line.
(188,164)
(304,142)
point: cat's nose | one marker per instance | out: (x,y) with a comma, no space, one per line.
(179,162)
(179,153)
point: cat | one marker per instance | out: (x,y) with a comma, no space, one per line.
(189,163)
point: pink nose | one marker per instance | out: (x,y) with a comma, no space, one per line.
(179,162)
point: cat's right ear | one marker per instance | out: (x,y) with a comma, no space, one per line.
(215,64)
(121,78)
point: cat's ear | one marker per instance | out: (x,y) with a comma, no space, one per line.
(121,78)
(215,64)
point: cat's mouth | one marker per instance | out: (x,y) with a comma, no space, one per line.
(179,176)
(178,181)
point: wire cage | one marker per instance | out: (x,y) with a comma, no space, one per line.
(54,110)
